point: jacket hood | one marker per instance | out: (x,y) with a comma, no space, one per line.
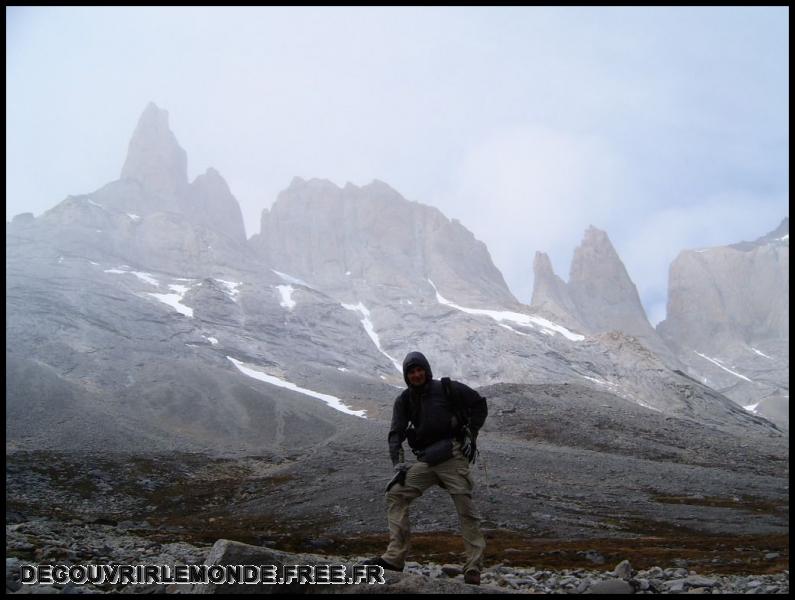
(416,359)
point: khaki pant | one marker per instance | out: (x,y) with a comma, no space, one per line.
(452,475)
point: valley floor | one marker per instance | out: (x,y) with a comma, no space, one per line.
(170,510)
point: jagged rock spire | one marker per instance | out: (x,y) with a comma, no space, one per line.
(550,294)
(154,157)
(601,287)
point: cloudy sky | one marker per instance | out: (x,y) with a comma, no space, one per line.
(666,127)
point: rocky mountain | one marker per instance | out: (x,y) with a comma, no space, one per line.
(599,297)
(166,375)
(728,319)
(143,305)
(366,242)
(155,159)
(551,295)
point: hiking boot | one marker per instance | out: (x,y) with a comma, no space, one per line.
(381,563)
(472,577)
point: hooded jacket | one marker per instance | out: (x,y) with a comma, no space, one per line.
(429,409)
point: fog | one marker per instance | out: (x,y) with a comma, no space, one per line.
(666,127)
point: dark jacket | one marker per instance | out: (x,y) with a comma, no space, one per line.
(430,411)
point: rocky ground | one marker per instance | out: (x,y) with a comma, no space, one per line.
(570,483)
(51,541)
(559,515)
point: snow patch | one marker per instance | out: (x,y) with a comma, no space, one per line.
(368,327)
(514,330)
(751,407)
(175,300)
(291,279)
(147,277)
(134,217)
(715,361)
(286,292)
(332,401)
(231,288)
(532,321)
(595,380)
(180,289)
(762,354)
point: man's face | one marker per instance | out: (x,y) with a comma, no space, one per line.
(416,375)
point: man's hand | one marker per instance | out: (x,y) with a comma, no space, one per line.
(401,467)
(469,448)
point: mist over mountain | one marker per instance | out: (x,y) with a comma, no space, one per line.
(152,274)
(728,318)
(600,295)
(174,367)
(357,240)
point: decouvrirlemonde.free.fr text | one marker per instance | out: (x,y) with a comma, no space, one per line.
(99,574)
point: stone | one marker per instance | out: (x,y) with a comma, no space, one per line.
(676,586)
(623,570)
(699,581)
(452,570)
(611,586)
(226,552)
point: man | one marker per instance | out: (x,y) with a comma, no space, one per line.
(430,419)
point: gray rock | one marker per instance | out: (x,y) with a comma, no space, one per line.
(676,586)
(653,572)
(155,158)
(605,296)
(699,581)
(228,552)
(623,570)
(551,295)
(611,586)
(595,557)
(12,574)
(731,304)
(452,570)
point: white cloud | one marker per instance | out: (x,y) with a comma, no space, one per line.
(529,189)
(528,124)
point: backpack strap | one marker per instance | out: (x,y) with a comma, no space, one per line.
(460,412)
(465,435)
